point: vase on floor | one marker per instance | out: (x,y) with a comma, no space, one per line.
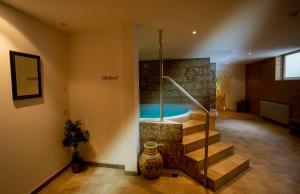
(151,161)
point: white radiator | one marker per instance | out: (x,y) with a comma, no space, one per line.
(274,111)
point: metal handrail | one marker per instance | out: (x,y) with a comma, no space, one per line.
(161,73)
(186,93)
(207,123)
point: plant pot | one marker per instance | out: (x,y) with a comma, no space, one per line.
(77,167)
(150,161)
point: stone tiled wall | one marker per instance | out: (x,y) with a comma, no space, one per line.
(261,85)
(197,76)
(170,135)
(213,85)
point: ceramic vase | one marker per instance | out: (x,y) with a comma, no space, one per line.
(151,161)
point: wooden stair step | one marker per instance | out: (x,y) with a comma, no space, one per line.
(192,123)
(198,115)
(193,162)
(193,126)
(197,136)
(196,140)
(216,152)
(223,171)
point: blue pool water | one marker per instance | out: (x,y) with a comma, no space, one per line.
(153,110)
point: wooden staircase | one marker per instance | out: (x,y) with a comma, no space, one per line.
(223,163)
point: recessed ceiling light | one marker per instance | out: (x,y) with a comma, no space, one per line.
(194,32)
(250,53)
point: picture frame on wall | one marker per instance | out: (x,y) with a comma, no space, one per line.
(25,75)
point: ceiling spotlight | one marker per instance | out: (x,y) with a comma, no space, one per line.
(249,53)
(194,32)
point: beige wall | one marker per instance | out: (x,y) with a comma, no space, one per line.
(109,109)
(31,130)
(232,81)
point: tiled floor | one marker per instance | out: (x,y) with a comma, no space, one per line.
(98,180)
(274,156)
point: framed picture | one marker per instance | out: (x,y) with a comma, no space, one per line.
(25,75)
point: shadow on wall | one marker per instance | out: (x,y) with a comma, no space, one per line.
(28,102)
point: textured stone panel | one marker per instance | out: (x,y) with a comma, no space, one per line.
(213,81)
(197,76)
(169,134)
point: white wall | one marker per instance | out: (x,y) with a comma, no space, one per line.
(232,79)
(131,99)
(109,109)
(72,67)
(31,130)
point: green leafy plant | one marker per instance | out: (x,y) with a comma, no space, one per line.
(74,135)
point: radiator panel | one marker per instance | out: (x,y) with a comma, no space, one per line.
(275,111)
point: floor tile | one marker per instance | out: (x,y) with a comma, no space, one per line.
(274,166)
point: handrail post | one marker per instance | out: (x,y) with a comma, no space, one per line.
(161,72)
(206,150)
(207,113)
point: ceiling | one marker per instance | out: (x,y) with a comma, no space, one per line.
(227,30)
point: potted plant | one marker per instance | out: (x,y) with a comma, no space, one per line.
(74,135)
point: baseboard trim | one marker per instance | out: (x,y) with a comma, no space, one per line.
(131,173)
(116,166)
(97,164)
(89,163)
(50,179)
